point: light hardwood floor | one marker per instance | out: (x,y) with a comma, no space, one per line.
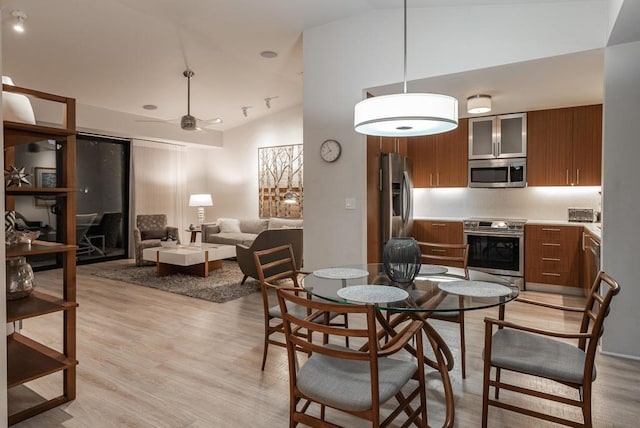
(149,358)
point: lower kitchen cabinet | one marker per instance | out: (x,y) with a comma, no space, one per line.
(553,255)
(439,232)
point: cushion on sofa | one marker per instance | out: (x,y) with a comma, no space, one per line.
(232,238)
(254,226)
(282,223)
(229,225)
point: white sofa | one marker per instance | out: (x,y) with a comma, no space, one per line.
(232,231)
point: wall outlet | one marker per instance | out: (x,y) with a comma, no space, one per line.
(350,203)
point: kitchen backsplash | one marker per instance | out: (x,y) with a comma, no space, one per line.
(535,203)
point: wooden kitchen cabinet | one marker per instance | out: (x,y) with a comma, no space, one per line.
(553,255)
(565,147)
(440,160)
(391,144)
(439,232)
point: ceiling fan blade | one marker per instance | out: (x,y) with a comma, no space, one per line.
(174,120)
(208,122)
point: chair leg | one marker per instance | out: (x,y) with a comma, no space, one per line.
(497,393)
(586,405)
(244,279)
(346,325)
(463,348)
(266,346)
(485,394)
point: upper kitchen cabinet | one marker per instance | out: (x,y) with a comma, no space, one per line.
(565,147)
(503,136)
(440,160)
(392,145)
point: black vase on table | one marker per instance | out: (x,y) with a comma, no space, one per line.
(401,259)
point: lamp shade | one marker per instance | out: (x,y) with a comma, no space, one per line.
(406,115)
(200,200)
(16,107)
(479,104)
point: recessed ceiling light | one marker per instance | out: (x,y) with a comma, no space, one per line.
(268,54)
(149,107)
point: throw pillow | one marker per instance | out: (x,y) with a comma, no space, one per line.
(229,225)
(153,234)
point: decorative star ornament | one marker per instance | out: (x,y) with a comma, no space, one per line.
(15,177)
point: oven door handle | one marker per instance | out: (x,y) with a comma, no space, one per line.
(503,234)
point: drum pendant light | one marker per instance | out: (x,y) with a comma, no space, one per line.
(406,114)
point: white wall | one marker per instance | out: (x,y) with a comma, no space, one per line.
(343,58)
(621,195)
(230,173)
(530,203)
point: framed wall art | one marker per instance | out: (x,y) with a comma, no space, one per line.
(280,186)
(45,178)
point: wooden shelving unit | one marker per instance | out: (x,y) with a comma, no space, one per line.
(27,359)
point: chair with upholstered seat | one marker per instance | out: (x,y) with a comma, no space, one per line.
(455,255)
(539,353)
(274,265)
(150,229)
(353,381)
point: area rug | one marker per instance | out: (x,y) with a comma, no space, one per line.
(221,286)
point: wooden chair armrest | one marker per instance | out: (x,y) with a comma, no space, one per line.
(549,305)
(401,339)
(489,322)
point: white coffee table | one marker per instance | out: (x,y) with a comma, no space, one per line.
(193,259)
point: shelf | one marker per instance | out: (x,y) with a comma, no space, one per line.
(37,191)
(28,360)
(37,247)
(37,129)
(37,303)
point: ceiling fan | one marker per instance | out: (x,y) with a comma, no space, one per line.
(189,122)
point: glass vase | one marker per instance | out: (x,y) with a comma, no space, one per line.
(19,278)
(402,259)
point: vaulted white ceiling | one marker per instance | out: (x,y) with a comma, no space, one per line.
(122,54)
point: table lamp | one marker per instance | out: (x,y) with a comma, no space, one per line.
(200,200)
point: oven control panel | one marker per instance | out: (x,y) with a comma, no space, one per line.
(496,225)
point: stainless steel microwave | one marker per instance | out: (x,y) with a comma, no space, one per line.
(498,173)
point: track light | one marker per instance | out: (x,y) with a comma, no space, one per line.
(244,110)
(267,101)
(20,18)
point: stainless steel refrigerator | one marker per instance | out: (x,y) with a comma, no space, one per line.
(397,196)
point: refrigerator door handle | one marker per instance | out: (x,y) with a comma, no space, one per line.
(406,193)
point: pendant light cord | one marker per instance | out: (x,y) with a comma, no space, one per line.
(405,46)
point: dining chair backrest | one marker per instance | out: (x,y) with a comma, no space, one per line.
(456,255)
(332,367)
(277,263)
(315,308)
(596,310)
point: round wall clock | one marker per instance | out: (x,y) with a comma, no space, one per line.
(330,150)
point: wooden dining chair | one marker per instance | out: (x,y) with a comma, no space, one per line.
(274,266)
(455,255)
(538,353)
(353,381)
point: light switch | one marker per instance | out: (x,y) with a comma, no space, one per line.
(350,203)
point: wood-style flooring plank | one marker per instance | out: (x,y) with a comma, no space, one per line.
(150,358)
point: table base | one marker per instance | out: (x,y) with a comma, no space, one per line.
(200,269)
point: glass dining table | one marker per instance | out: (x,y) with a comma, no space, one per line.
(436,289)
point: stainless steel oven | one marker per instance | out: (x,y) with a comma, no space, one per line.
(496,246)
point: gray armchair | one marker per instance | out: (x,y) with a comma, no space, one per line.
(265,240)
(149,230)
